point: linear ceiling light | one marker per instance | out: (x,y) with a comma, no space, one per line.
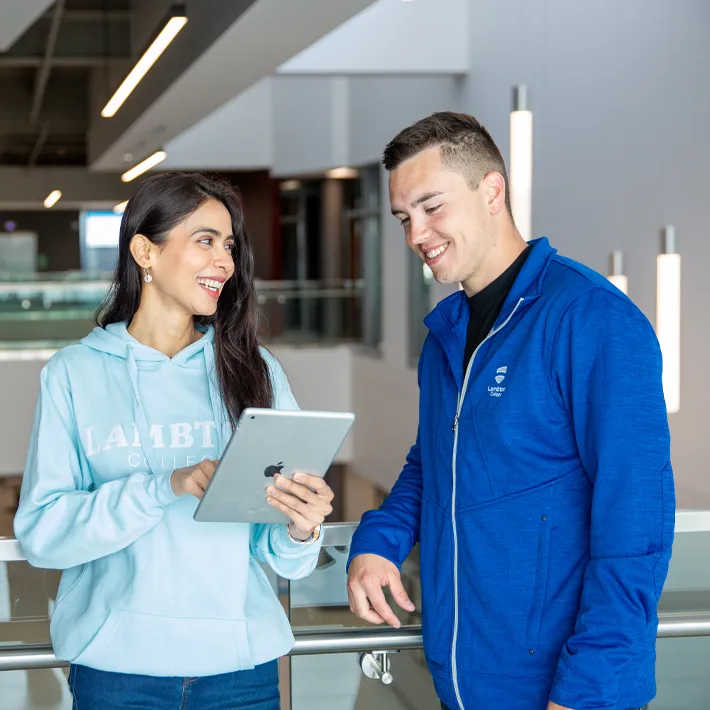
(668,317)
(150,57)
(144,166)
(120,208)
(521,161)
(616,272)
(52,198)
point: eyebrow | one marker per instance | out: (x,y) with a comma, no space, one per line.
(426,196)
(210,230)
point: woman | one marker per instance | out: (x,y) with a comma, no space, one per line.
(155,610)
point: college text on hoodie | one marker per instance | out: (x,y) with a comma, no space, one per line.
(542,497)
(145,588)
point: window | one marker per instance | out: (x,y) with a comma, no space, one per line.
(99,233)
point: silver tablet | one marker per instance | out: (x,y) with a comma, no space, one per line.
(268,441)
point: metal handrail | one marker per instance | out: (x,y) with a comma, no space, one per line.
(353,640)
(308,642)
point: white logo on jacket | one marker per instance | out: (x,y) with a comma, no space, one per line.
(497,391)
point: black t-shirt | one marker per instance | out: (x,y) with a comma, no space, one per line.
(485,305)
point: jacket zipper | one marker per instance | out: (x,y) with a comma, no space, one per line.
(459,405)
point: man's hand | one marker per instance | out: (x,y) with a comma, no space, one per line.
(555,706)
(366,577)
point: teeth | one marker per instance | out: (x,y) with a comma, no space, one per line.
(210,283)
(435,252)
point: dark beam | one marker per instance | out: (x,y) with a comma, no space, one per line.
(96,16)
(46,67)
(37,149)
(10,62)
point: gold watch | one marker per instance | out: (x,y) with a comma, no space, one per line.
(309,540)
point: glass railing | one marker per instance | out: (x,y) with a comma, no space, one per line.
(339,661)
(311,311)
(52,310)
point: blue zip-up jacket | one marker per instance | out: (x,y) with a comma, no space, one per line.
(541,491)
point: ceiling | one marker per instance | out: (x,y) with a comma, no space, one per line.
(63,59)
(46,72)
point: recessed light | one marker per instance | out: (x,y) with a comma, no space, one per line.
(52,198)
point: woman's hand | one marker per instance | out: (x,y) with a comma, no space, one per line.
(305,501)
(193,479)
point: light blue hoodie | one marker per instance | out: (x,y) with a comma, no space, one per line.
(145,588)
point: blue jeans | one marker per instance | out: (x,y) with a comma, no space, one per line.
(256,689)
(443,707)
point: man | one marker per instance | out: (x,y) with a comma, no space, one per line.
(540,485)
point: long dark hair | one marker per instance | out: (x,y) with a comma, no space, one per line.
(159,204)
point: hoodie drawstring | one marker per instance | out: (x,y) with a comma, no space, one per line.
(139,414)
(216,402)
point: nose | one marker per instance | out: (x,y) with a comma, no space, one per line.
(418,233)
(223,259)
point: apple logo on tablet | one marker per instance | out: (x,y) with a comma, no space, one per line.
(271,471)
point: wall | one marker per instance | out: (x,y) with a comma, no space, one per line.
(19,383)
(399,101)
(321,380)
(57,235)
(18,17)
(621,149)
(237,135)
(300,125)
(303,110)
(422,37)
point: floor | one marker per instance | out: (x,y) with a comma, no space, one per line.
(34,690)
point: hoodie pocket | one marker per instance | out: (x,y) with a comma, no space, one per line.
(130,642)
(539,585)
(80,572)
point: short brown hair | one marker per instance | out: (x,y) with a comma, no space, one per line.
(466,147)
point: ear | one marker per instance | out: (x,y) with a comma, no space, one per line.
(494,186)
(143,251)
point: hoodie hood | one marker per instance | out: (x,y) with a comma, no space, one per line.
(117,341)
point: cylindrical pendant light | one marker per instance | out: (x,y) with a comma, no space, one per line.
(616,272)
(668,317)
(521,161)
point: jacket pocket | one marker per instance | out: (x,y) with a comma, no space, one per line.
(437,586)
(539,585)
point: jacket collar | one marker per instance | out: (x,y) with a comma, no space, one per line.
(448,322)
